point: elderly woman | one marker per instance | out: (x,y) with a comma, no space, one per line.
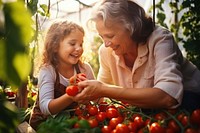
(140,62)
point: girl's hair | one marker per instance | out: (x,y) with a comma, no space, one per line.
(129,14)
(55,34)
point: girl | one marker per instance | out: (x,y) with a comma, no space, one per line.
(63,48)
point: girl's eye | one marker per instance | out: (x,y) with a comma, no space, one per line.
(72,44)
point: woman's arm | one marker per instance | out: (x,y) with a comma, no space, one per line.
(141,97)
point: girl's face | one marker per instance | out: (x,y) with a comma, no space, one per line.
(70,49)
(115,36)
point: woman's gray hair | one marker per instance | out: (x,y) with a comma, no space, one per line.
(126,12)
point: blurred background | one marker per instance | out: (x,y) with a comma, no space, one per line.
(22,26)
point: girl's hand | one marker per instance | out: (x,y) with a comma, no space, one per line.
(77,78)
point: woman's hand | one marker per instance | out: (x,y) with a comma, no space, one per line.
(92,89)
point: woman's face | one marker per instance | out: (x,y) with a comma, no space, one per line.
(70,49)
(115,36)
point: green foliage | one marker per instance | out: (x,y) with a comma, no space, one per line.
(185,26)
(190,22)
(17,34)
(95,61)
(64,124)
(8,117)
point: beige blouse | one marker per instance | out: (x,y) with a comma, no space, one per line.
(160,64)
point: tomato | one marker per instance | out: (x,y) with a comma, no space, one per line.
(139,121)
(112,113)
(76,78)
(101,116)
(78,111)
(185,120)
(114,121)
(160,116)
(147,122)
(173,111)
(122,128)
(169,130)
(191,130)
(81,75)
(135,115)
(93,110)
(180,116)
(195,117)
(106,129)
(93,122)
(155,127)
(174,126)
(72,90)
(103,106)
(132,127)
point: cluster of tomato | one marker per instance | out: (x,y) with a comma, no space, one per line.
(120,118)
(73,89)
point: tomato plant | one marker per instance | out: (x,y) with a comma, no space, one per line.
(72,90)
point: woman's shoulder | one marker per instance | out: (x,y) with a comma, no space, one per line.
(161,31)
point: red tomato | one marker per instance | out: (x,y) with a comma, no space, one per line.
(93,122)
(122,128)
(135,115)
(156,128)
(139,122)
(180,116)
(114,121)
(106,129)
(103,106)
(112,113)
(78,111)
(174,126)
(72,90)
(191,130)
(81,75)
(195,117)
(76,78)
(169,130)
(160,116)
(132,127)
(93,110)
(101,116)
(147,122)
(185,120)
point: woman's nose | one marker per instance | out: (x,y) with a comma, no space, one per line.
(108,43)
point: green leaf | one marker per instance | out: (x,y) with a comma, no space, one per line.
(15,61)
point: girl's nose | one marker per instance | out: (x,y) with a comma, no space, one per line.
(108,43)
(79,48)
